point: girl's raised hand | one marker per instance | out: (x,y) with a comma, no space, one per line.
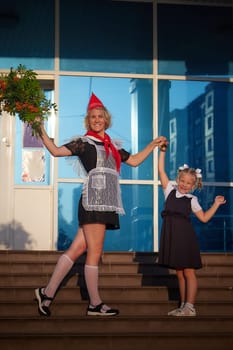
(220,200)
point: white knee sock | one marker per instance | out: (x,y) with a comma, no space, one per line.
(62,267)
(91,276)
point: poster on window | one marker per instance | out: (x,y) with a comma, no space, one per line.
(28,139)
(33,165)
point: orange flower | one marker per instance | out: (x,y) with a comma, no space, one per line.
(18,106)
(2,84)
(21,93)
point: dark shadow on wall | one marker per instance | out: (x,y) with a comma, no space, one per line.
(155,275)
(14,236)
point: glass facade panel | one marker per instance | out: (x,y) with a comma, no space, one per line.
(196,117)
(68,198)
(199,131)
(217,234)
(32,160)
(27,34)
(195,40)
(130,104)
(136,232)
(106,36)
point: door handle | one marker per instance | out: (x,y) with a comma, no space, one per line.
(6,141)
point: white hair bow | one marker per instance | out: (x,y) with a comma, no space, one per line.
(198,173)
(185,166)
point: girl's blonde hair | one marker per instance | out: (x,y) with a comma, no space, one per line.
(107,117)
(195,173)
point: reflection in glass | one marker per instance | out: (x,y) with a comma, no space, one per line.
(197,118)
(118,45)
(68,198)
(130,103)
(32,160)
(28,139)
(136,232)
(217,234)
(27,35)
(195,40)
(33,166)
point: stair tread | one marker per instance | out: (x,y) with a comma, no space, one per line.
(143,305)
(116,334)
(118,317)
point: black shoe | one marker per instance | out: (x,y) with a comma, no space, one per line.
(40,297)
(100,310)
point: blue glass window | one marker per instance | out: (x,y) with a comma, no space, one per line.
(217,234)
(27,34)
(130,104)
(200,136)
(200,131)
(195,40)
(136,232)
(68,199)
(106,36)
(32,160)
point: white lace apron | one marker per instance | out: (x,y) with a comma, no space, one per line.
(101,189)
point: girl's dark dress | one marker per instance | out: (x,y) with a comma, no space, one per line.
(178,244)
(88,156)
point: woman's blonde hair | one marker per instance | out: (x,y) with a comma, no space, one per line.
(107,117)
(195,173)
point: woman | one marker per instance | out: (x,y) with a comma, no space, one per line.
(99,205)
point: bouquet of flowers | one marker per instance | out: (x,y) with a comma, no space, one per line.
(21,94)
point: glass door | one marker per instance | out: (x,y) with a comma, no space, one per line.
(6,178)
(26,200)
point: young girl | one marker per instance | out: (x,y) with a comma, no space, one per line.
(178,244)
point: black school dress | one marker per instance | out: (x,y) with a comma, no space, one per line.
(88,157)
(179,247)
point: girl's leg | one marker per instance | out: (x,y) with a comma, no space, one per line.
(182,285)
(182,290)
(191,291)
(191,282)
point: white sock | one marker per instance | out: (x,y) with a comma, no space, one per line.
(91,273)
(62,267)
(189,305)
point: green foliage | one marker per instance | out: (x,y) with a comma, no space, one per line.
(22,95)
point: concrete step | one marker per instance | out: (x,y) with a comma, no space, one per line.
(115,279)
(119,324)
(161,293)
(73,307)
(130,341)
(132,282)
(107,257)
(133,267)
